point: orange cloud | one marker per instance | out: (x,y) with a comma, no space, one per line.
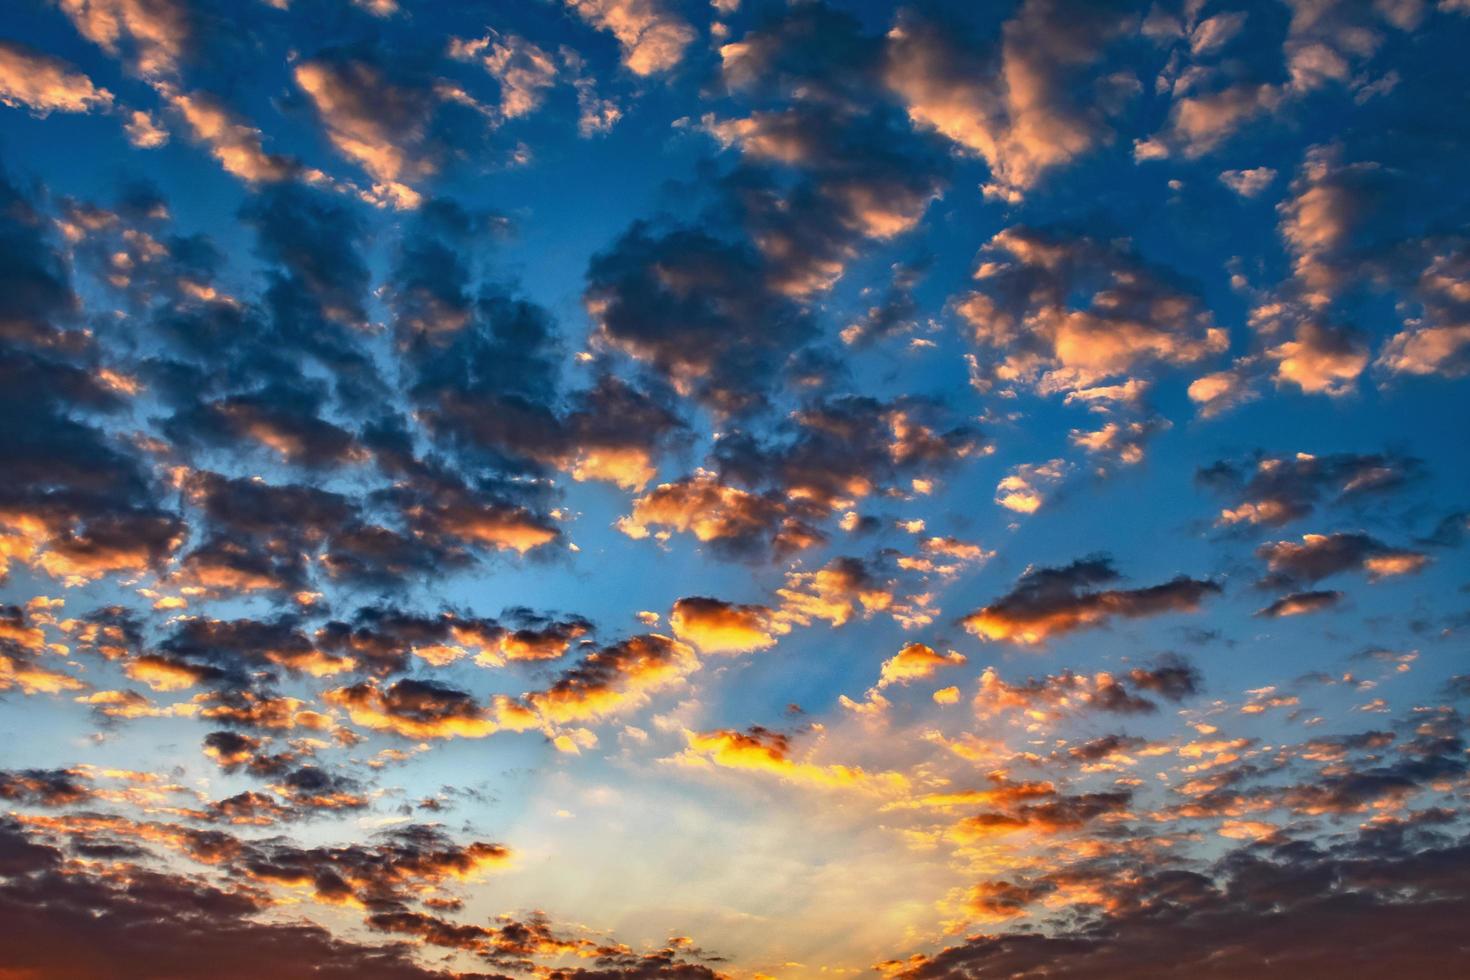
(1049,602)
(652,37)
(762,750)
(614,679)
(414,709)
(236,145)
(916,662)
(45,84)
(834,592)
(717,626)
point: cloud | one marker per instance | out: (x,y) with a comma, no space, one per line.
(144,131)
(414,709)
(717,626)
(448,526)
(1217,88)
(257,710)
(486,372)
(132,922)
(387,640)
(1301,603)
(1121,441)
(614,679)
(896,314)
(1321,360)
(916,662)
(44,787)
(1250,182)
(1170,676)
(1021,104)
(168,674)
(1058,695)
(154,35)
(1438,342)
(945,556)
(762,750)
(1351,225)
(652,36)
(286,422)
(845,586)
(515,943)
(1064,312)
(831,452)
(523,69)
(607,681)
(312,789)
(1201,121)
(390,116)
(81,504)
(1220,926)
(865,178)
(697,310)
(726,317)
(45,84)
(1273,490)
(734,522)
(1320,556)
(1047,602)
(1060,814)
(229,651)
(450,517)
(1021,490)
(234,143)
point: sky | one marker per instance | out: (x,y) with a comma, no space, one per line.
(732,490)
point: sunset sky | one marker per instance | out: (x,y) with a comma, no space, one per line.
(734,489)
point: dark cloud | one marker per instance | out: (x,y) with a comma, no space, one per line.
(813,48)
(37,283)
(1104,746)
(1299,603)
(487,368)
(1065,311)
(1170,676)
(237,649)
(414,709)
(385,639)
(312,788)
(696,309)
(80,502)
(1069,691)
(1057,815)
(44,787)
(1292,906)
(897,311)
(720,306)
(285,420)
(515,943)
(846,448)
(246,546)
(1320,556)
(1273,490)
(132,922)
(1052,601)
